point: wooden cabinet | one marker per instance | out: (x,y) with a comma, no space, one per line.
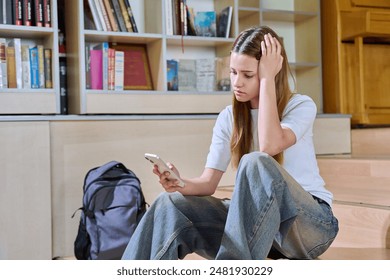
(356,54)
(27,100)
(298,22)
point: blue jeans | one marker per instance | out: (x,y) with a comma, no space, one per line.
(268,210)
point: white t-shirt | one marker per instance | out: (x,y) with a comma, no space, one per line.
(299,160)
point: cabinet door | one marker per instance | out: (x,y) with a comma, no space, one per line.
(25,199)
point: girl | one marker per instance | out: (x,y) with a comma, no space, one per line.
(279,204)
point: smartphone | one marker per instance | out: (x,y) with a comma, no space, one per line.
(162,167)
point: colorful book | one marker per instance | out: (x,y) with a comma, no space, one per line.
(125,15)
(16,43)
(96,72)
(105,15)
(34,67)
(172,75)
(100,14)
(224,22)
(48,72)
(26,73)
(11,66)
(119,70)
(131,15)
(104,47)
(3,64)
(111,15)
(111,69)
(18,12)
(41,66)
(206,24)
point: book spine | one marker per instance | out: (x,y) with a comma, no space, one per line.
(96,69)
(111,15)
(118,14)
(125,15)
(3,64)
(63,87)
(119,70)
(100,13)
(95,15)
(11,67)
(105,15)
(8,12)
(46,13)
(26,75)
(48,72)
(38,8)
(111,69)
(87,66)
(17,44)
(168,17)
(131,15)
(18,12)
(27,12)
(34,67)
(41,66)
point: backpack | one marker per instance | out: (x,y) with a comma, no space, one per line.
(113,204)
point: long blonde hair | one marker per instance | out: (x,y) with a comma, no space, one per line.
(248,43)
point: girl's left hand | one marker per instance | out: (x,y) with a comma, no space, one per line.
(271,59)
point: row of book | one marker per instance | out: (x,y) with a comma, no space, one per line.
(110,15)
(199,75)
(117,67)
(24,66)
(26,12)
(183,20)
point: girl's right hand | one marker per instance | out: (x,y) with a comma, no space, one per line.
(168,184)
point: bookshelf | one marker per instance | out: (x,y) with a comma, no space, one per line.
(298,22)
(27,100)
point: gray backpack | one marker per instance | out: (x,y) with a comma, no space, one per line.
(113,204)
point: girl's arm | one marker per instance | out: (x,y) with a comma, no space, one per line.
(206,184)
(273,138)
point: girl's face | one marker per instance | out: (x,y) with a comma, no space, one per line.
(244,78)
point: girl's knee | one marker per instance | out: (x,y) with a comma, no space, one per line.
(255,158)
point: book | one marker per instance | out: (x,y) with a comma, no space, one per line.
(103,10)
(190,21)
(96,72)
(95,15)
(119,70)
(222,72)
(3,64)
(104,46)
(111,69)
(46,13)
(224,22)
(26,73)
(16,43)
(187,75)
(205,74)
(137,75)
(206,24)
(27,12)
(48,73)
(38,12)
(172,75)
(168,17)
(34,67)
(125,15)
(11,66)
(41,66)
(131,15)
(63,86)
(6,16)
(111,15)
(100,15)
(17,12)
(119,16)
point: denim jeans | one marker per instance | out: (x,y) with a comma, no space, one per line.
(268,210)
